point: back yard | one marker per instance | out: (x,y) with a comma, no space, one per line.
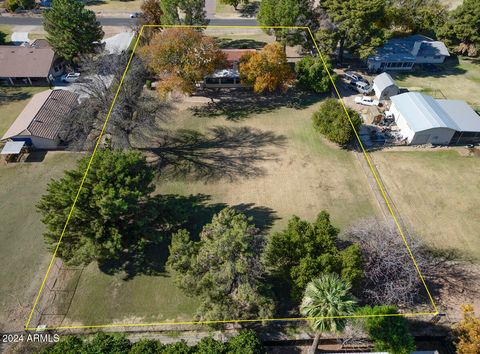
(23,256)
(437,192)
(260,155)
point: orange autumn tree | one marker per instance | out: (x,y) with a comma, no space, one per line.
(180,57)
(468,331)
(266,70)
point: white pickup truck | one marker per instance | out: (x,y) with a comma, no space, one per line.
(366,101)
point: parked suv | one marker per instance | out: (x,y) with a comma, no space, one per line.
(355,77)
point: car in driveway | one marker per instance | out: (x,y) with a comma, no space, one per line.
(360,87)
(70,77)
(366,101)
(355,77)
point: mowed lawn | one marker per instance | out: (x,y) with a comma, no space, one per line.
(12,101)
(23,256)
(301,176)
(439,194)
(457,80)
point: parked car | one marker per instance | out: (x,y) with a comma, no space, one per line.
(355,77)
(366,101)
(70,77)
(360,87)
(135,14)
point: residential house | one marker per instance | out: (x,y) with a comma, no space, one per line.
(404,53)
(34,64)
(40,122)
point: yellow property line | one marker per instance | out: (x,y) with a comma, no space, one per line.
(382,190)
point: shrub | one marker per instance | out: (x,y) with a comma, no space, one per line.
(331,121)
(311,74)
(13,5)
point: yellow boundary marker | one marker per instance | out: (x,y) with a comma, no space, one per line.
(365,154)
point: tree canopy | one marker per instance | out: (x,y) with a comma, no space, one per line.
(13,5)
(181,57)
(71,29)
(109,218)
(389,334)
(223,268)
(462,30)
(351,24)
(234,3)
(311,74)
(286,13)
(332,121)
(468,332)
(304,250)
(193,12)
(266,70)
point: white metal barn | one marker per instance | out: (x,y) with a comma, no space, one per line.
(424,120)
(384,86)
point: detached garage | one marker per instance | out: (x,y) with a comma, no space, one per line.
(384,87)
(424,120)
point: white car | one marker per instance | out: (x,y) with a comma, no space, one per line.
(135,14)
(366,101)
(70,77)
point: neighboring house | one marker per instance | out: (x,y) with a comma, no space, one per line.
(425,120)
(234,56)
(404,53)
(385,87)
(42,119)
(34,64)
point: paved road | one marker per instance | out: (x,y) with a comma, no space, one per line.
(115,21)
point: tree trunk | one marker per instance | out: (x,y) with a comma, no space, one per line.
(316,340)
(341,48)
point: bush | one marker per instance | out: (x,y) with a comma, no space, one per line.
(246,342)
(311,74)
(148,83)
(331,121)
(13,5)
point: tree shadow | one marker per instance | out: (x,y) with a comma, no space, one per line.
(228,43)
(12,95)
(238,104)
(250,9)
(221,153)
(175,212)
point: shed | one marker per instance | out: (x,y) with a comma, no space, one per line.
(42,119)
(385,87)
(424,120)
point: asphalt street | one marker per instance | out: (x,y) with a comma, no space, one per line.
(116,21)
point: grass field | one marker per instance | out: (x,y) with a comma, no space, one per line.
(23,256)
(457,80)
(438,193)
(268,163)
(12,101)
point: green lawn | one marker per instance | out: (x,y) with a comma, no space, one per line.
(438,193)
(23,256)
(457,80)
(12,102)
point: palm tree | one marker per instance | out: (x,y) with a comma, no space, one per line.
(326,298)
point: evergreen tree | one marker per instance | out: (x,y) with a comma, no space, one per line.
(311,74)
(71,29)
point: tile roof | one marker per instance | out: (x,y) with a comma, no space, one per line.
(44,114)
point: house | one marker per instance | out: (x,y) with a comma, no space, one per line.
(41,120)
(385,87)
(33,64)
(425,120)
(404,53)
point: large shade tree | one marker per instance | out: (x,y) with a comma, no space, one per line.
(327,298)
(181,57)
(193,12)
(355,25)
(462,30)
(109,217)
(71,29)
(223,268)
(313,74)
(305,250)
(266,70)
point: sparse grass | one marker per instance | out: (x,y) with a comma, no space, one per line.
(12,102)
(458,80)
(23,256)
(115,5)
(438,193)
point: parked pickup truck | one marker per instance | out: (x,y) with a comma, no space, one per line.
(366,101)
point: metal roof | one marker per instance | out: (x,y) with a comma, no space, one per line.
(383,81)
(12,147)
(422,112)
(43,115)
(464,116)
